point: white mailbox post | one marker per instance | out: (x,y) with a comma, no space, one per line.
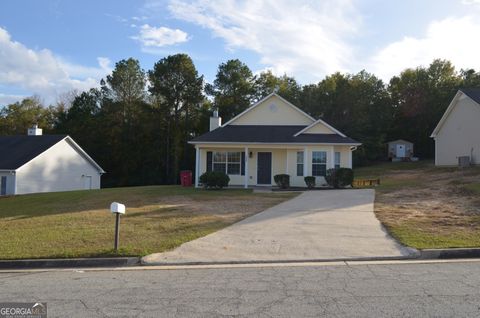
(117,209)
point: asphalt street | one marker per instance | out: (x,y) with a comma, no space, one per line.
(408,289)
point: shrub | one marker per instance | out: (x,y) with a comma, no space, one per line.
(282,180)
(310,182)
(339,178)
(214,180)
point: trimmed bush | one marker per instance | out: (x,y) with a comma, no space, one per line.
(282,180)
(339,178)
(214,180)
(310,182)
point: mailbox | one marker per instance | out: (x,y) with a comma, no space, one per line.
(116,207)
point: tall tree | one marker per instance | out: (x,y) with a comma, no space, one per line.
(233,89)
(16,118)
(178,88)
(284,85)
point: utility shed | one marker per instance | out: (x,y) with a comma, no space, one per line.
(457,135)
(45,163)
(400,149)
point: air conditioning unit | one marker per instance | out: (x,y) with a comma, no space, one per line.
(464,161)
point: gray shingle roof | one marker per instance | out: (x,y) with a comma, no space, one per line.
(269,134)
(15,151)
(473,93)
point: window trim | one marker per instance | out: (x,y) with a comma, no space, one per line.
(319,163)
(227,162)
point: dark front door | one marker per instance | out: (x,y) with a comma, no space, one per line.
(264,168)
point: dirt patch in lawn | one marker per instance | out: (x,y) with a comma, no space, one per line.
(428,207)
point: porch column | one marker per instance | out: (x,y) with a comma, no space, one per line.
(349,159)
(247,174)
(197,165)
(305,162)
(331,158)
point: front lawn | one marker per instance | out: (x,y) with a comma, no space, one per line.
(158,218)
(427,207)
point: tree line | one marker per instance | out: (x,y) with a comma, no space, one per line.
(137,124)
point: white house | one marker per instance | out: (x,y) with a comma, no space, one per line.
(457,135)
(272,137)
(45,163)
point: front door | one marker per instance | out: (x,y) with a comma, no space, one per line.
(3,185)
(400,151)
(264,168)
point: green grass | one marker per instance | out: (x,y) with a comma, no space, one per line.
(421,236)
(158,218)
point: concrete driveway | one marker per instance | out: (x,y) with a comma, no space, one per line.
(316,225)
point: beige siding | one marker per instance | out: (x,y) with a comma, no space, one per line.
(273,111)
(319,128)
(60,168)
(283,161)
(459,134)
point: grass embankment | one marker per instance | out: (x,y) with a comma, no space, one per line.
(428,207)
(158,218)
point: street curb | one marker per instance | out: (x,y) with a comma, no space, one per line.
(69,262)
(322,260)
(449,253)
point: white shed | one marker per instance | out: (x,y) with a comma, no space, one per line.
(45,163)
(400,149)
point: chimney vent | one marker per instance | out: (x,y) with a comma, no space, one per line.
(35,131)
(215,121)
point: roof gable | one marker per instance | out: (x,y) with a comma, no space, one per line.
(272,110)
(23,149)
(319,127)
(472,94)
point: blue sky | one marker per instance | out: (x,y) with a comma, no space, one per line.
(49,48)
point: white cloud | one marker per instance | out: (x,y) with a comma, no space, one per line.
(450,39)
(151,36)
(41,72)
(305,38)
(6,99)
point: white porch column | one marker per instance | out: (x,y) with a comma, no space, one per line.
(197,165)
(247,174)
(305,162)
(331,158)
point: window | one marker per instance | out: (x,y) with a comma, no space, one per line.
(319,163)
(227,162)
(300,163)
(337,160)
(233,166)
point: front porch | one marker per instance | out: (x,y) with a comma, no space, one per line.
(256,165)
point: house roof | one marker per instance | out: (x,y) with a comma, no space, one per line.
(472,93)
(269,134)
(21,149)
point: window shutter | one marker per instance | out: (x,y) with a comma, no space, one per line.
(242,164)
(209,161)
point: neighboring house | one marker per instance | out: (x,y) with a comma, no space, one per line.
(457,135)
(400,150)
(272,137)
(49,163)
